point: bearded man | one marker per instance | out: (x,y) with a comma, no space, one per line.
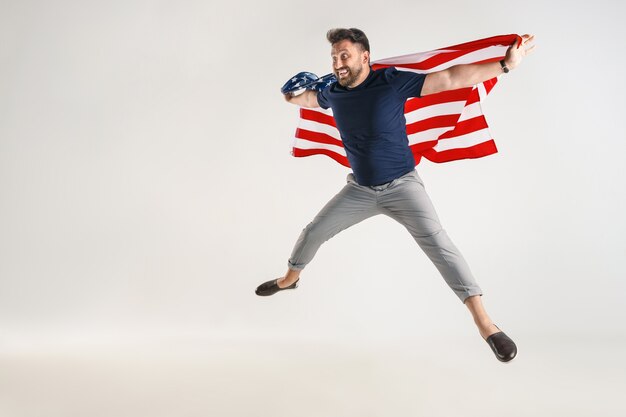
(368,107)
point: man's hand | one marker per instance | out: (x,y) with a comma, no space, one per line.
(515,54)
(307,99)
(288,97)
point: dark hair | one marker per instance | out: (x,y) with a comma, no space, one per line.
(354,35)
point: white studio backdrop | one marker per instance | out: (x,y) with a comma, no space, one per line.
(146,186)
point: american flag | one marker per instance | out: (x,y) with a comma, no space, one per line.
(441,127)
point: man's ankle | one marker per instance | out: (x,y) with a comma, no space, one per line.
(283,282)
(483,324)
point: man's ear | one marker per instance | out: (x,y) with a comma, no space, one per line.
(366,57)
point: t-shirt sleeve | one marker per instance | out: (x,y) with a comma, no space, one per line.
(322,98)
(406,83)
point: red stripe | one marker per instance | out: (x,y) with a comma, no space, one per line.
(487,60)
(423,146)
(476,151)
(489,84)
(473,97)
(437,98)
(448,120)
(309,152)
(316,116)
(317,137)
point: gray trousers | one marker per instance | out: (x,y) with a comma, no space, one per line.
(404,200)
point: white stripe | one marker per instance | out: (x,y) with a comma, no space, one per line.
(441,109)
(307,144)
(471,111)
(463,141)
(319,127)
(411,58)
(482,91)
(428,135)
(328,111)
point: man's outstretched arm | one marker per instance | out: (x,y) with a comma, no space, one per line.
(460,76)
(307,99)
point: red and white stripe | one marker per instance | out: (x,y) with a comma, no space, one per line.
(442,127)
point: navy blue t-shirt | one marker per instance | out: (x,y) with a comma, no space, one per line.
(370,119)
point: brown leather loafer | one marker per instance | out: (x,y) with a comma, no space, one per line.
(271,287)
(502,346)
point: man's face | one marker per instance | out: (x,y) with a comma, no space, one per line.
(348,62)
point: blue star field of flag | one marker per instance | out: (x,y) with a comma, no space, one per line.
(307,80)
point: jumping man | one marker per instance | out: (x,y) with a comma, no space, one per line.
(368,107)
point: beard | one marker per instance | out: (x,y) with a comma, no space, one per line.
(350,77)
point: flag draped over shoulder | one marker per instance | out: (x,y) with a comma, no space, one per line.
(441,127)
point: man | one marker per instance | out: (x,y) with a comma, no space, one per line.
(368,107)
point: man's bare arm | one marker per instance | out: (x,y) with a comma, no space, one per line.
(460,76)
(307,99)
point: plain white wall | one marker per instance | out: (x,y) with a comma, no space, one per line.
(146,186)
